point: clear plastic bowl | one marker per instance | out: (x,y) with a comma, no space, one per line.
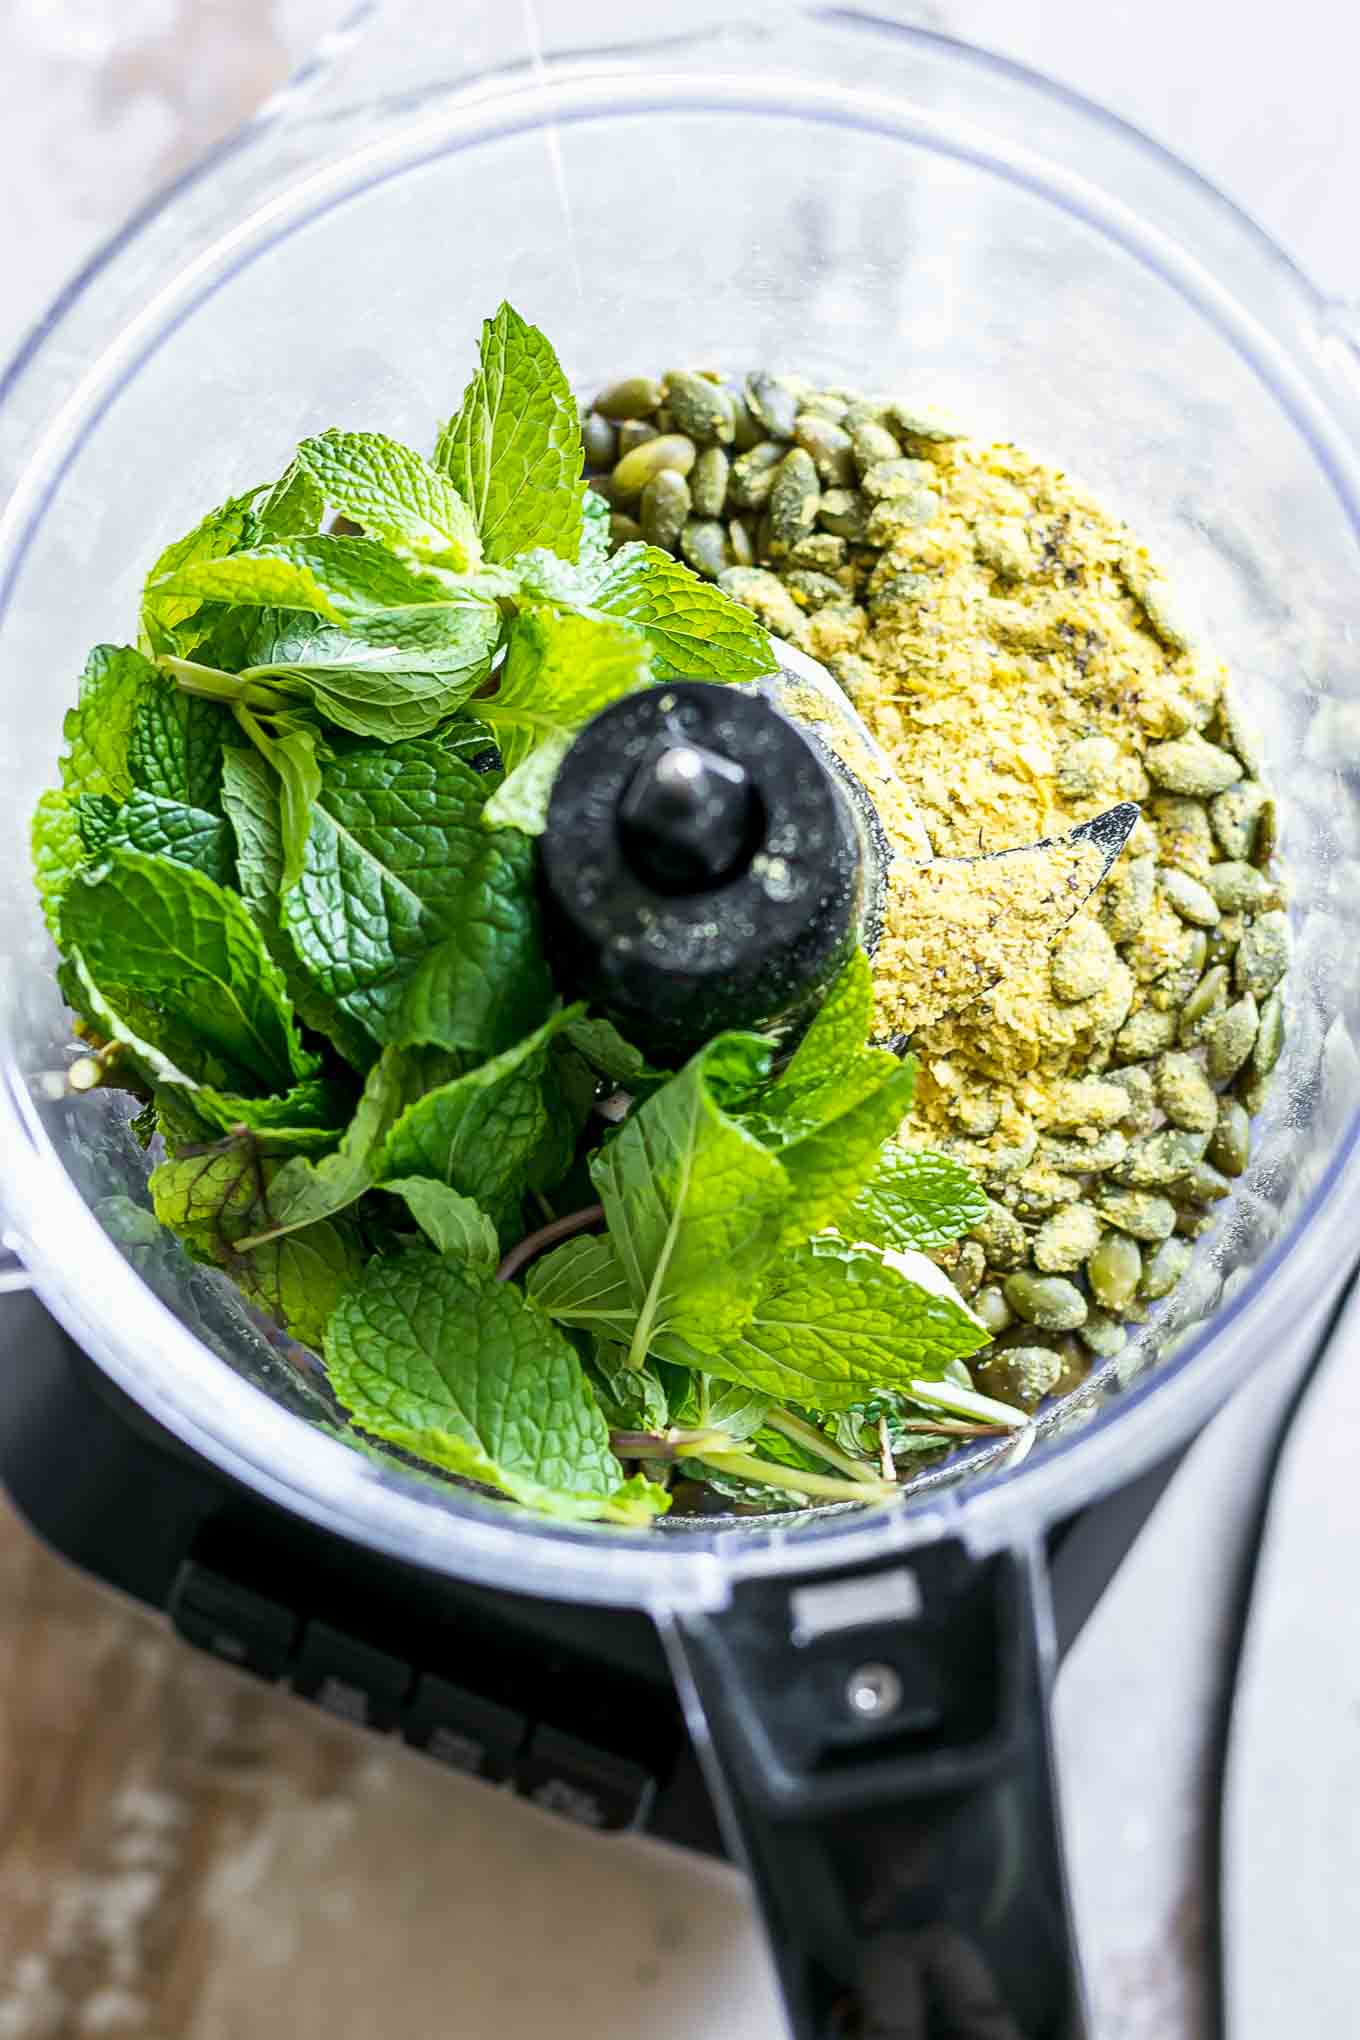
(830,195)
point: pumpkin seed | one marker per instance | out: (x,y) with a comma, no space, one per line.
(1140,1113)
(665,508)
(812,591)
(1001,1236)
(663,420)
(765,594)
(1262,954)
(1196,903)
(1145,1033)
(1267,833)
(1104,1335)
(1190,765)
(637,396)
(1223,939)
(743,552)
(1229,1147)
(637,468)
(599,441)
(1114,1270)
(889,519)
(708,482)
(1041,1188)
(1128,897)
(1203,1185)
(1203,1005)
(872,442)
(862,410)
(701,408)
(1049,1301)
(1066,1239)
(824,404)
(1078,1104)
(752,476)
(1164,1269)
(830,447)
(820,550)
(969,1269)
(746,430)
(1086,1158)
(1230,1038)
(897,477)
(624,530)
(772,404)
(635,432)
(704,545)
(1235,816)
(1193,1221)
(795,498)
(1270,1036)
(1140,1213)
(923,422)
(991,1306)
(1184,835)
(1160,1158)
(1240,734)
(1253,1091)
(1020,1374)
(1239,887)
(1186,1095)
(845,514)
(1170,993)
(1080,961)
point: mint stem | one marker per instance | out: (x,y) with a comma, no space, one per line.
(815,1441)
(214,685)
(548,1236)
(822,1487)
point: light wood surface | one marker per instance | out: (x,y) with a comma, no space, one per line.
(186,1854)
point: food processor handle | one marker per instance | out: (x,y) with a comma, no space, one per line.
(877,1746)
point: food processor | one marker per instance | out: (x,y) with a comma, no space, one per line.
(852,1701)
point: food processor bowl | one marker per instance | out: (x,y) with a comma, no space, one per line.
(803,189)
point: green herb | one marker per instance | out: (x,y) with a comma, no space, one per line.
(304,930)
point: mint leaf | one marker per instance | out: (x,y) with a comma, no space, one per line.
(96,818)
(251,797)
(411,918)
(583,1283)
(98,729)
(831,1069)
(480,1132)
(592,555)
(560,669)
(453,1224)
(637,1501)
(170,622)
(211,1202)
(343,579)
(514,451)
(464,1374)
(710,1405)
(631,1398)
(605,1049)
(829,1166)
(187,835)
(175,745)
(695,631)
(915,1198)
(58,854)
(694,1203)
(395,673)
(290,748)
(395,494)
(304,1191)
(189,946)
(475,743)
(294,506)
(834,1322)
(521,800)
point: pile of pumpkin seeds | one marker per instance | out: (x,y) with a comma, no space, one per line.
(793,499)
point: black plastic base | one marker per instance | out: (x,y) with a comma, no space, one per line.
(572,1704)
